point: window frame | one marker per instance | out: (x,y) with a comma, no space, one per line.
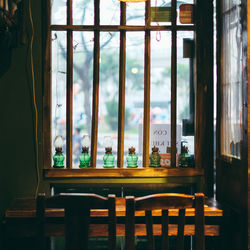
(200,148)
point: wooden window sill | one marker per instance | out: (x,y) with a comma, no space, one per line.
(122,173)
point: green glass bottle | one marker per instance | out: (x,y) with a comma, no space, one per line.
(84,158)
(155,158)
(108,158)
(58,158)
(132,158)
(185,159)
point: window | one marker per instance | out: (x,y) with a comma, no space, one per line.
(120,69)
(231,84)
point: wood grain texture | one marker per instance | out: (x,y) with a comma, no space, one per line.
(26,208)
(119,27)
(122,77)
(125,172)
(96,75)
(28,230)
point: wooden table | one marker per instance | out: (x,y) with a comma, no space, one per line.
(20,220)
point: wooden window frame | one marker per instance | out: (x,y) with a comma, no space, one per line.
(202,99)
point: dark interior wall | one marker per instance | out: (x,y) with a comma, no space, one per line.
(17,153)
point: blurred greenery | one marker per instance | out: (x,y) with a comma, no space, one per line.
(112,114)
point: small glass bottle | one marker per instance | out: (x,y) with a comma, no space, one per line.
(84,156)
(132,158)
(58,157)
(108,158)
(185,159)
(155,158)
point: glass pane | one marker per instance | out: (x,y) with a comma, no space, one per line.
(83,12)
(59,68)
(108,93)
(231,120)
(135,13)
(58,12)
(134,98)
(109,12)
(185,92)
(160,96)
(82,90)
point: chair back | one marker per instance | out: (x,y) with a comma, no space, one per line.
(76,217)
(165,202)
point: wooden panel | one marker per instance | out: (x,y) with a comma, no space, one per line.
(173,85)
(118,27)
(102,230)
(47,104)
(122,74)
(26,208)
(127,173)
(69,92)
(146,117)
(95,101)
(204,128)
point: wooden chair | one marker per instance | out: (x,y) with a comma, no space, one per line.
(164,202)
(76,217)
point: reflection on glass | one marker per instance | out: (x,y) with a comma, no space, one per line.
(231,121)
(83,12)
(185,97)
(58,12)
(135,13)
(59,86)
(108,93)
(134,98)
(160,95)
(82,90)
(109,12)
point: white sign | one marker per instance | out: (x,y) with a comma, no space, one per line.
(160,136)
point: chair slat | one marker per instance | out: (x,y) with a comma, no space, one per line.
(149,227)
(165,238)
(112,222)
(199,221)
(181,224)
(130,223)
